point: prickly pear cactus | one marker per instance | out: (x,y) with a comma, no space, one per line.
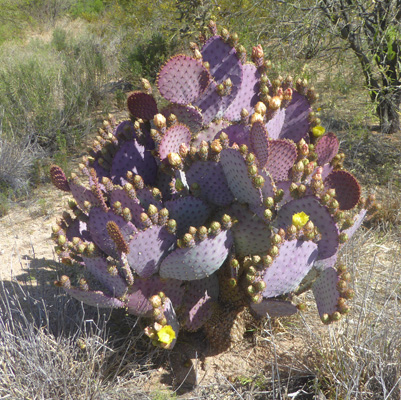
(232,197)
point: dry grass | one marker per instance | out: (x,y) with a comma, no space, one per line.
(60,351)
(359,357)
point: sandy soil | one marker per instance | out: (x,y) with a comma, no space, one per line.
(25,234)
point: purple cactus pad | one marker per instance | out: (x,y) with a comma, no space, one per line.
(295,259)
(148,248)
(326,292)
(274,308)
(296,124)
(326,148)
(348,190)
(187,115)
(187,211)
(95,299)
(197,262)
(281,157)
(247,96)
(137,299)
(182,79)
(97,266)
(132,156)
(212,181)
(142,105)
(98,220)
(238,179)
(319,215)
(175,136)
(237,133)
(275,125)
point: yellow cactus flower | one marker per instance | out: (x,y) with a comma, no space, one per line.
(166,335)
(300,219)
(318,131)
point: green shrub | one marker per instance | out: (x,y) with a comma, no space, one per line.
(87,9)
(47,92)
(4,205)
(43,92)
(146,57)
(59,39)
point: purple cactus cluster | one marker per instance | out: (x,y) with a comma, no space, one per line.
(231,195)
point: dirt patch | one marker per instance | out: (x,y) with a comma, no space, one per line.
(25,233)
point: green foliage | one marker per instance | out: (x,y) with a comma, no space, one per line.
(13,19)
(47,92)
(59,39)
(44,93)
(163,395)
(87,9)
(4,204)
(146,57)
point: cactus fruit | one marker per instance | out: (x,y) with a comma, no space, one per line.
(230,198)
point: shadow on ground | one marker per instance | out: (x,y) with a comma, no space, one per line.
(191,369)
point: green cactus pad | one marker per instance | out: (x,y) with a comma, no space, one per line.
(175,136)
(238,179)
(274,308)
(295,259)
(142,105)
(319,215)
(148,248)
(281,157)
(326,148)
(348,190)
(182,79)
(197,262)
(212,181)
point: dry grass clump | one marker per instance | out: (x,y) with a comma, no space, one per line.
(58,351)
(360,358)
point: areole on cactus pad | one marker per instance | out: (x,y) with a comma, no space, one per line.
(230,198)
